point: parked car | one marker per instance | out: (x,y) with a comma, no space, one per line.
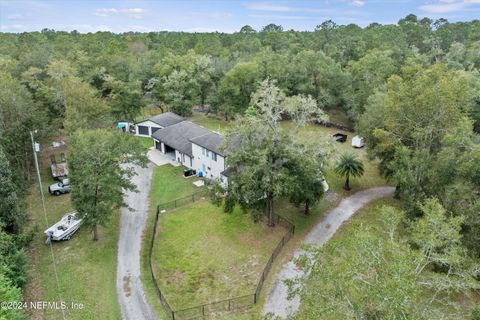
(340,137)
(60,187)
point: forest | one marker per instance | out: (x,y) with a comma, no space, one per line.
(412,89)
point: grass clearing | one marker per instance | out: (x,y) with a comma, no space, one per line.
(86,269)
(145,142)
(202,254)
(210,122)
(168,184)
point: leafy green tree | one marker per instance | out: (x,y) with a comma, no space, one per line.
(8,292)
(362,276)
(313,73)
(439,242)
(11,214)
(180,90)
(307,187)
(260,152)
(101,165)
(18,115)
(13,258)
(204,73)
(247,30)
(126,100)
(272,28)
(406,122)
(236,88)
(368,73)
(83,109)
(349,165)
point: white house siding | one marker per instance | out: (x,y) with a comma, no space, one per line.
(183,159)
(212,167)
(149,124)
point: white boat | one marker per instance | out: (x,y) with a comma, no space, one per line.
(65,228)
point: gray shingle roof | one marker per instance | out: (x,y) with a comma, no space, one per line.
(212,141)
(166,119)
(178,135)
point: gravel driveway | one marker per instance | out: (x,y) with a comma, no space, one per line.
(276,301)
(131,297)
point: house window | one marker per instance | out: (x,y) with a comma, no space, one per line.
(183,157)
(214,156)
(203,151)
(208,153)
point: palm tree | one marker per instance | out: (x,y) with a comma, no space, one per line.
(349,165)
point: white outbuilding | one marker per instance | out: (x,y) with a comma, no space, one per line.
(358,142)
(148,127)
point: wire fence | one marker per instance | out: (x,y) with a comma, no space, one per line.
(223,306)
(183,201)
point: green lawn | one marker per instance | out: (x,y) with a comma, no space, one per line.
(313,132)
(210,122)
(168,184)
(86,269)
(145,142)
(202,254)
(184,231)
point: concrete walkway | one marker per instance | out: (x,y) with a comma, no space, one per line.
(277,302)
(131,297)
(159,158)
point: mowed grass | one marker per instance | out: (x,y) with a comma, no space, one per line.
(371,176)
(145,142)
(86,269)
(168,184)
(202,254)
(312,132)
(210,122)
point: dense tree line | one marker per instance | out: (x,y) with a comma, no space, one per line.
(411,88)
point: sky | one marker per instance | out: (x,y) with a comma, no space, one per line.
(222,16)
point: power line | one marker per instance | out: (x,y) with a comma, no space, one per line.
(46,221)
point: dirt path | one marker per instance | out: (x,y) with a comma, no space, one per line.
(131,297)
(276,301)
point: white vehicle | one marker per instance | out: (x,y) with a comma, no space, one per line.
(358,142)
(63,229)
(60,187)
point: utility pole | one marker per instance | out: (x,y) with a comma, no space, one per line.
(39,177)
(46,219)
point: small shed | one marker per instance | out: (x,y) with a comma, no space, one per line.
(358,142)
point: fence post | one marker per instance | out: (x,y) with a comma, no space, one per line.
(229,304)
(255,298)
(175,203)
(173,315)
(203,310)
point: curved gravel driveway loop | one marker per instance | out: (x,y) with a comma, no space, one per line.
(276,301)
(131,297)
